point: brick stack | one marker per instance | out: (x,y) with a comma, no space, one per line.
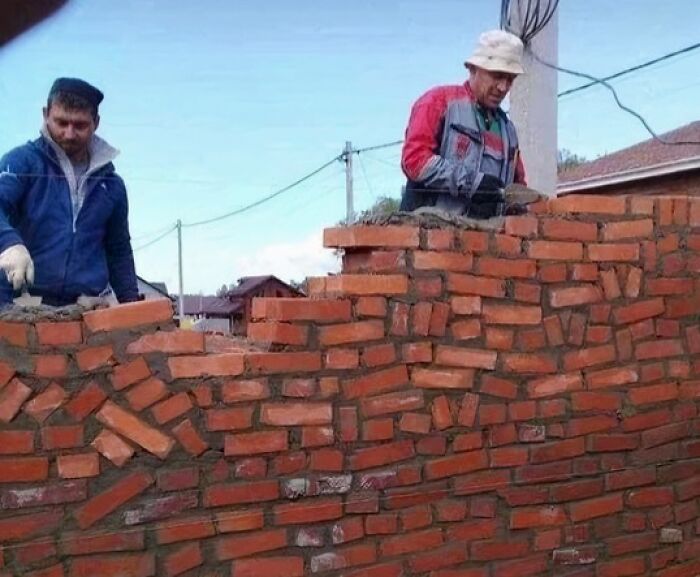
(454,404)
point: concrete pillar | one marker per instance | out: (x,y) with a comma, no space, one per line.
(533,109)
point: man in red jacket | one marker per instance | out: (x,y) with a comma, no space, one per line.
(461,150)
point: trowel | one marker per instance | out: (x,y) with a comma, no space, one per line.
(27,300)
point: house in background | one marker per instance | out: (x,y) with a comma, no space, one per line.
(230,312)
(649,167)
(152,290)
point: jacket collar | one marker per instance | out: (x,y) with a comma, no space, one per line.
(101,152)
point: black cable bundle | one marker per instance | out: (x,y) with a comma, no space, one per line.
(532,21)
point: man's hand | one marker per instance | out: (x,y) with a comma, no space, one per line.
(18,266)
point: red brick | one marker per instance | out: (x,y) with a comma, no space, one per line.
(24,469)
(301,309)
(195,527)
(358,284)
(531,517)
(183,559)
(660,348)
(46,402)
(427,287)
(506,268)
(551,273)
(129,315)
(304,512)
(16,442)
(130,373)
(273,363)
(551,386)
(627,229)
(78,466)
(131,564)
(415,423)
(507,245)
(348,424)
(378,355)
(529,363)
(228,419)
(392,403)
(619,252)
(474,241)
(525,226)
(112,447)
(30,526)
(175,342)
(269,566)
(58,334)
(442,379)
(442,260)
(83,543)
(476,285)
(276,332)
(188,436)
(133,428)
(377,382)
(574,296)
(371,236)
(653,394)
(234,547)
(221,365)
(512,315)
(293,414)
(54,494)
(593,424)
(93,358)
(597,507)
(237,494)
(557,450)
(612,377)
(317,436)
(14,333)
(381,455)
(378,429)
(438,319)
(587,203)
(50,366)
(90,397)
(552,250)
(112,498)
(489,550)
(240,521)
(371,307)
(171,408)
(146,393)
(590,401)
(342,359)
(244,390)
(255,443)
(411,542)
(351,333)
(668,286)
(62,437)
(455,464)
(442,416)
(439,239)
(527,292)
(589,357)
(464,357)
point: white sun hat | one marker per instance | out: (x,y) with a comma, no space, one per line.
(498,51)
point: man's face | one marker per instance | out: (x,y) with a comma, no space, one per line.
(489,87)
(71,129)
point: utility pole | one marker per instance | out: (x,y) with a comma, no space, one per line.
(181,295)
(349,200)
(533,106)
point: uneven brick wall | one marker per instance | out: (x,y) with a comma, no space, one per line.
(455,404)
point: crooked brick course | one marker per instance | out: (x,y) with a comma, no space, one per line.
(454,404)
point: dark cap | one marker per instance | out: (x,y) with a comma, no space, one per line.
(79,88)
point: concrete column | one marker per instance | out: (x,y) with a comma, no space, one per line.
(533,109)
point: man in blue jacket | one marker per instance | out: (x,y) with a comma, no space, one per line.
(64,230)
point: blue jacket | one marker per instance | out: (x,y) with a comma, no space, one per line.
(72,257)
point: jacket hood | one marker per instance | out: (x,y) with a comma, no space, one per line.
(101,152)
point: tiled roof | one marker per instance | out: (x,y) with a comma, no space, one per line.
(210,305)
(645,154)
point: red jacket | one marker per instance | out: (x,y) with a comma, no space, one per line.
(446,150)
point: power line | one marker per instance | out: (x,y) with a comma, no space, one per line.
(265,198)
(627,109)
(155,240)
(631,69)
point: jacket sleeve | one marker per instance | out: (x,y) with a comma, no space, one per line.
(520,177)
(120,258)
(13,183)
(420,159)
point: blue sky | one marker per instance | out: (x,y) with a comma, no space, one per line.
(217,103)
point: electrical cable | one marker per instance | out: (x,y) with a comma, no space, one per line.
(265,198)
(631,69)
(627,109)
(155,240)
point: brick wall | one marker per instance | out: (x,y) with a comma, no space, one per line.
(455,404)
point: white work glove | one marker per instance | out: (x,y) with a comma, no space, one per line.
(18,266)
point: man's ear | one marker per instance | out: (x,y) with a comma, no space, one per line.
(46,112)
(97,121)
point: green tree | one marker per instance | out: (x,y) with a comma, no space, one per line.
(567,159)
